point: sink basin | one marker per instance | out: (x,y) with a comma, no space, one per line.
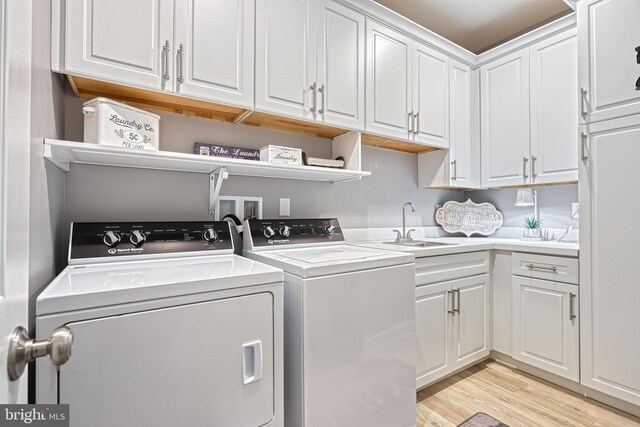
(420,244)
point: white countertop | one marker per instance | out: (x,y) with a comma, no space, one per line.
(471,244)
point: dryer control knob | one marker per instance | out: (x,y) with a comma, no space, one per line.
(284,231)
(210,235)
(111,238)
(268,232)
(137,237)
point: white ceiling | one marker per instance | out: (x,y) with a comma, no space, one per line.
(479,25)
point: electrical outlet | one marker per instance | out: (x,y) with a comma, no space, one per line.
(285,207)
(575,209)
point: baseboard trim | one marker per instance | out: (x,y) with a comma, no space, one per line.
(565,383)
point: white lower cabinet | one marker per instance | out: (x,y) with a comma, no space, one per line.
(451,326)
(545,326)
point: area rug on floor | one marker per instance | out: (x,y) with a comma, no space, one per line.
(482,420)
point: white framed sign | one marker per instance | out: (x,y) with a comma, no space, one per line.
(469,218)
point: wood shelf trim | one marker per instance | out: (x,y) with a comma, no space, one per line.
(64,153)
(396,145)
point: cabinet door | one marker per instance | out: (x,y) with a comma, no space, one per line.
(388,82)
(505,121)
(464,161)
(430,96)
(609,259)
(608,34)
(554,100)
(470,339)
(214,50)
(229,370)
(545,326)
(433,319)
(121,41)
(285,58)
(340,65)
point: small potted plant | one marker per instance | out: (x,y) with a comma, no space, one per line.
(532,230)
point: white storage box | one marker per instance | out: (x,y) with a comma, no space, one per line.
(114,123)
(277,154)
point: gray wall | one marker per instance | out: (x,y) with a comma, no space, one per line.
(554,203)
(102,193)
(47,182)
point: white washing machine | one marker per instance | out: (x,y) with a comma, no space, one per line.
(169,327)
(349,317)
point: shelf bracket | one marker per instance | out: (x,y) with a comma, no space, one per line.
(215,184)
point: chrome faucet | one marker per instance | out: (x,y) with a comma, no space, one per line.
(405,236)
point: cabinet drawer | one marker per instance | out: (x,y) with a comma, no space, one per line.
(448,267)
(556,269)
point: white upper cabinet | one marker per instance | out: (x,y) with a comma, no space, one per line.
(285,58)
(430,96)
(214,50)
(310,61)
(458,167)
(388,82)
(554,100)
(608,34)
(407,88)
(340,65)
(505,121)
(135,47)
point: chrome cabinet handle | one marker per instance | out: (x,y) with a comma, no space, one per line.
(454,166)
(410,123)
(583,109)
(583,143)
(165,60)
(533,168)
(524,167)
(180,58)
(542,267)
(23,350)
(453,303)
(456,308)
(322,94)
(572,306)
(416,123)
(313,88)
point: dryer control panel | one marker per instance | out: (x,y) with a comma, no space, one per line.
(105,241)
(265,233)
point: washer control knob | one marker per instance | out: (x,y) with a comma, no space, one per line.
(137,237)
(210,235)
(329,229)
(111,239)
(268,232)
(284,231)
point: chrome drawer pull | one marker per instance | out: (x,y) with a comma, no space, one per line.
(572,306)
(453,303)
(542,267)
(456,308)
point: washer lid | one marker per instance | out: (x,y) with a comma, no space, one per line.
(314,262)
(99,285)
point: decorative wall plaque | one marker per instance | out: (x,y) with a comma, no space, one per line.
(469,218)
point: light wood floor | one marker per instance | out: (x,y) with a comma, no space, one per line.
(513,397)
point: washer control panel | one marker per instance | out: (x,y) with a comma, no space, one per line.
(280,232)
(95,240)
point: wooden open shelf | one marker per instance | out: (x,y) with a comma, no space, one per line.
(143,98)
(393,144)
(89,89)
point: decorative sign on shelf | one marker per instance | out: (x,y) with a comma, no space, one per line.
(469,218)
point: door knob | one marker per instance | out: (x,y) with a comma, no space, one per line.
(23,350)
